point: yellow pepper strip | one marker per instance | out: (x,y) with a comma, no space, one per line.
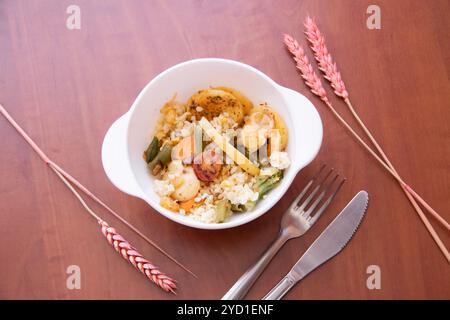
(226,147)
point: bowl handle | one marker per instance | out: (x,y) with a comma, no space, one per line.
(300,107)
(115,158)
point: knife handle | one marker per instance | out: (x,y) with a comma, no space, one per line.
(246,281)
(281,288)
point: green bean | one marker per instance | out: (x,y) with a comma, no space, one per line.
(153,163)
(152,150)
(164,155)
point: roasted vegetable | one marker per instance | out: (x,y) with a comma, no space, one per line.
(262,118)
(162,158)
(263,185)
(246,103)
(164,154)
(253,137)
(223,210)
(230,150)
(278,123)
(266,183)
(243,207)
(208,164)
(152,150)
(212,102)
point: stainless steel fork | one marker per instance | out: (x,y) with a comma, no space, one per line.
(295,222)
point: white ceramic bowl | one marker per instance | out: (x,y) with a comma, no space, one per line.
(129,136)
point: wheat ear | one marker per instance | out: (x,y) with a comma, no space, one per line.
(123,247)
(74,181)
(328,66)
(312,80)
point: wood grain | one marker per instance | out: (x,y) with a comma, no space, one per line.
(66,87)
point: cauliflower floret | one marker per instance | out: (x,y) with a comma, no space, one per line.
(268,171)
(280,160)
(237,188)
(184,129)
(240,194)
(205,213)
(238,178)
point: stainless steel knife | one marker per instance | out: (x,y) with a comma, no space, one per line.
(330,242)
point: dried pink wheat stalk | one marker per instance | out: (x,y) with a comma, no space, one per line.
(122,246)
(118,242)
(307,71)
(66,177)
(324,59)
(136,259)
(329,68)
(331,73)
(313,81)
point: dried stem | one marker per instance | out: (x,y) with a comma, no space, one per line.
(129,253)
(123,247)
(57,168)
(331,73)
(77,195)
(406,189)
(422,216)
(125,222)
(308,73)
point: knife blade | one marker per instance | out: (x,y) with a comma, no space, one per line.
(330,242)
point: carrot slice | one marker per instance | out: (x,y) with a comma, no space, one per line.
(187,205)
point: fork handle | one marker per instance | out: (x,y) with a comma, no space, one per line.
(246,281)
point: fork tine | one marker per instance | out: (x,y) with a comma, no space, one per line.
(307,214)
(316,216)
(313,193)
(306,188)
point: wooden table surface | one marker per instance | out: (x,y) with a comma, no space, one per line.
(66,87)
